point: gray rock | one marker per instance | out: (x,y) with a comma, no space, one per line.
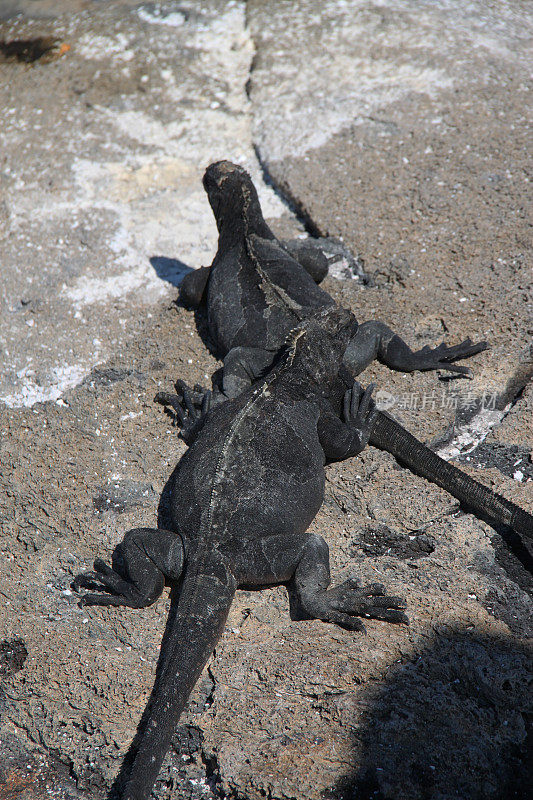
(145,96)
(419,166)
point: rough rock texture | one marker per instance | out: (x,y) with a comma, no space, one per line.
(409,138)
(400,127)
(102,206)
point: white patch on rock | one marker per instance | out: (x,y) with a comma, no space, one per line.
(146,188)
(361,57)
(97,48)
(341,269)
(471,434)
(99,290)
(157,200)
(156,17)
(61,379)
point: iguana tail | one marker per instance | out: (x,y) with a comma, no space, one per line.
(389,435)
(205,599)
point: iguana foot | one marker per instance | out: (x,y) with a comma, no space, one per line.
(114,590)
(343,605)
(195,396)
(360,414)
(141,562)
(345,438)
(441,357)
(190,408)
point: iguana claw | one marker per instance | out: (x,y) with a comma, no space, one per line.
(114,590)
(190,409)
(443,356)
(344,604)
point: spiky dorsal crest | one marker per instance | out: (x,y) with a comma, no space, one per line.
(317,345)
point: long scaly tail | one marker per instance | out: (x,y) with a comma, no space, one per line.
(203,607)
(389,435)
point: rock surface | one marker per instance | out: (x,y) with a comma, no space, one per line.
(400,128)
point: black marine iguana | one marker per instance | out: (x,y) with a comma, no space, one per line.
(256,291)
(243,497)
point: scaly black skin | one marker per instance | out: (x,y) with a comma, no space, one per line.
(243,497)
(256,291)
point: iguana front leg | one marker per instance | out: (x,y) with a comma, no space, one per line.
(308,254)
(141,562)
(344,438)
(242,367)
(377,340)
(190,409)
(339,438)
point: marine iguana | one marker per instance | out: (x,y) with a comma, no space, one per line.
(243,497)
(255,291)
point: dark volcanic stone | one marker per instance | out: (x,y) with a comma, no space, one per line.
(380,540)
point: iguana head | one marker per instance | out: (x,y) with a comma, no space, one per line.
(317,345)
(233,198)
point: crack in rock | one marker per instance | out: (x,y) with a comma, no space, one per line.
(129,149)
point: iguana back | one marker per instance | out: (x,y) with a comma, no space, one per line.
(256,292)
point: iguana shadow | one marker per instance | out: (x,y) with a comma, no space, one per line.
(171,270)
(452,721)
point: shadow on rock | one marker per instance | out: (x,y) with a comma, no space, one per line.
(171,270)
(453,722)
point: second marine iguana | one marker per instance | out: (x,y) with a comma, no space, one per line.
(255,291)
(242,498)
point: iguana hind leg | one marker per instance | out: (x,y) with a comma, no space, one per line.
(303,561)
(193,286)
(345,603)
(308,254)
(141,562)
(374,339)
